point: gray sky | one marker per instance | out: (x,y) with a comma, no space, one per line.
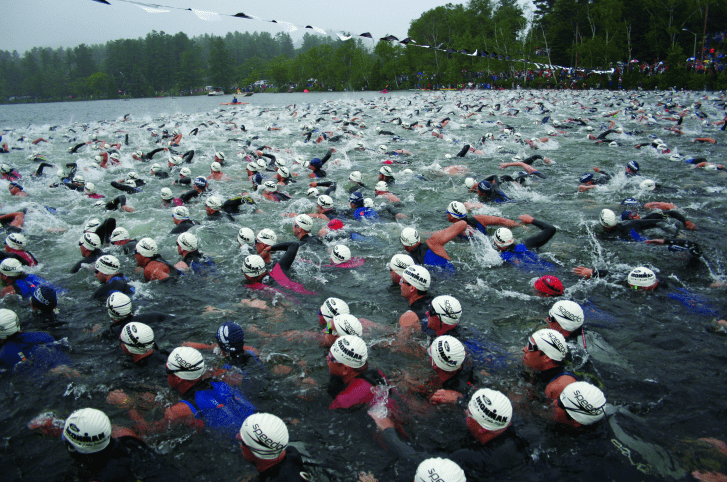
(67,23)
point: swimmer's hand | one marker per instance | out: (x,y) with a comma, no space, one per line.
(690,226)
(381,422)
(526,218)
(583,272)
(655,241)
(367,477)
(445,396)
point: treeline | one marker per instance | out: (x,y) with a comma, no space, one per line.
(585,33)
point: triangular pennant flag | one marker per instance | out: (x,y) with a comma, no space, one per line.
(152,10)
(102,1)
(242,15)
(209,16)
(365,34)
(406,41)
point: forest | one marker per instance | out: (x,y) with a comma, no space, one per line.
(648,43)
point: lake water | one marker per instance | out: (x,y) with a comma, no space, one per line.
(661,368)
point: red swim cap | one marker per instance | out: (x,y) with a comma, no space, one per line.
(549,285)
(335,224)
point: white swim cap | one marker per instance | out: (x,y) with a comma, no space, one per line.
(400,262)
(253,265)
(340,254)
(186,363)
(87,430)
(137,337)
(267,236)
(568,314)
(265,435)
(246,236)
(608,218)
(447,308)
(439,470)
(350,350)
(503,237)
(146,247)
(418,277)
(187,241)
(332,307)
(551,343)
(118,306)
(381,186)
(583,402)
(108,264)
(491,409)
(409,237)
(640,277)
(447,353)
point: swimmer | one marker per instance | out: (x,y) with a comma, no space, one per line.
(543,357)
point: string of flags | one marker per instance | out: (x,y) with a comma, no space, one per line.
(407,42)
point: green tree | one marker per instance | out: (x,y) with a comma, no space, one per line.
(220,65)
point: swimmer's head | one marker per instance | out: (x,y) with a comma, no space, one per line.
(186,363)
(265,435)
(549,285)
(647,185)
(137,338)
(16,241)
(340,254)
(443,469)
(87,431)
(642,278)
(357,199)
(447,353)
(231,337)
(503,238)
(583,402)
(457,209)
(567,314)
(409,237)
(118,306)
(607,218)
(180,213)
(245,236)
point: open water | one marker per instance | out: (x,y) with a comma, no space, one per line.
(661,367)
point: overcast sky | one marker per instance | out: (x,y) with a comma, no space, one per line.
(67,23)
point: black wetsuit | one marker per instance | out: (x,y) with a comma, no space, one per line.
(161,174)
(125,188)
(118,283)
(116,203)
(90,259)
(156,360)
(189,195)
(232,205)
(421,306)
(311,240)
(219,216)
(288,470)
(538,240)
(319,172)
(623,231)
(105,229)
(479,462)
(183,226)
(125,458)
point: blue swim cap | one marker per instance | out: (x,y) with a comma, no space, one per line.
(316,162)
(485,187)
(633,165)
(356,199)
(200,181)
(629,201)
(586,177)
(231,337)
(44,298)
(257,178)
